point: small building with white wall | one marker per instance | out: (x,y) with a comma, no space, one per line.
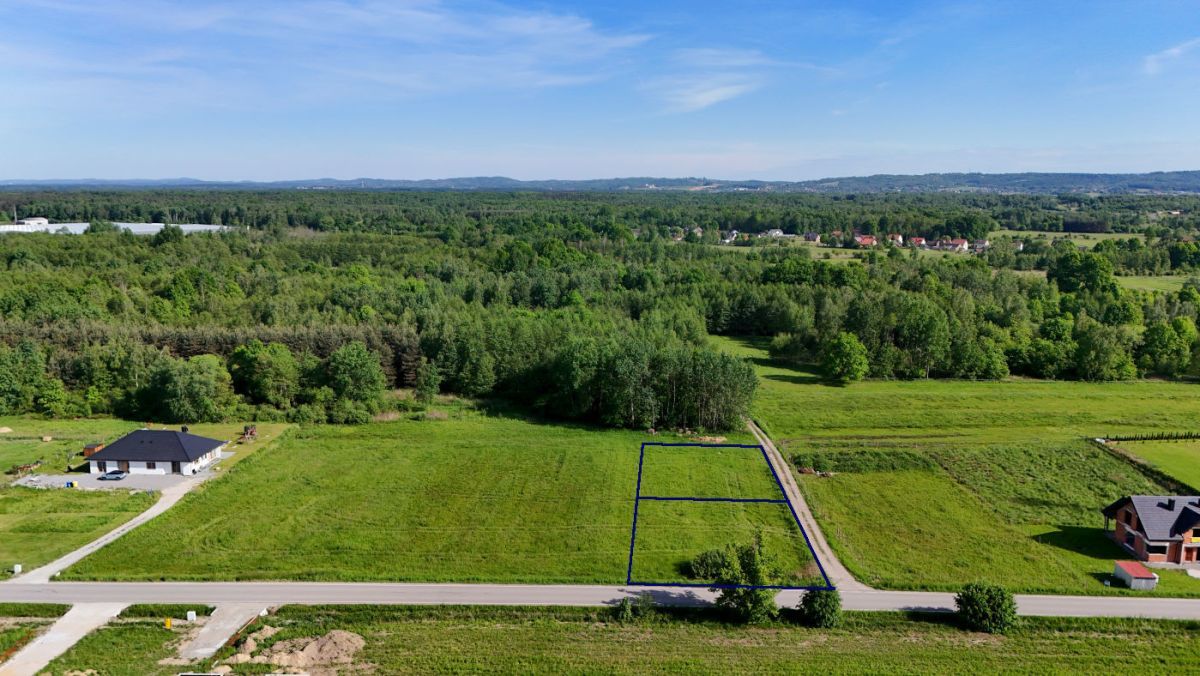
(156,452)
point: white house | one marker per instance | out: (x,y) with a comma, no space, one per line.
(156,452)
(36,220)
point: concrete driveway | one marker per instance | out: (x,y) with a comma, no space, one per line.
(146,482)
(137,482)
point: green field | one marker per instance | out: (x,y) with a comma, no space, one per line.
(471,498)
(1179,459)
(956,481)
(577,640)
(1084,239)
(1168,283)
(716,472)
(40,525)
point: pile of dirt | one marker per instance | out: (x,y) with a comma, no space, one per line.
(5,430)
(305,655)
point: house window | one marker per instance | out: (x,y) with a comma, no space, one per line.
(1129,540)
(102,466)
(1156,549)
(150,464)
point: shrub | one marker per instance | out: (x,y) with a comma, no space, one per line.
(986,607)
(629,610)
(821,608)
(707,565)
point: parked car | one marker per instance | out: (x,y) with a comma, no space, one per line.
(115,475)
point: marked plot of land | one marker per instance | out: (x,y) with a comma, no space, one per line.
(711,471)
(693,498)
(672,533)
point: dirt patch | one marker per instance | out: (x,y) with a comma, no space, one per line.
(436,415)
(316,656)
(709,440)
(386,416)
(5,430)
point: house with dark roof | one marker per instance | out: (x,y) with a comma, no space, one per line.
(156,452)
(1157,528)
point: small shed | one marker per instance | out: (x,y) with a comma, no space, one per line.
(91,449)
(1135,575)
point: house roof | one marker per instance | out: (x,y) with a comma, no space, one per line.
(157,446)
(1161,517)
(1136,570)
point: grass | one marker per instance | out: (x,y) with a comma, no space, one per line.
(720,472)
(1084,239)
(125,648)
(1167,283)
(1179,459)
(471,498)
(578,640)
(670,534)
(164,610)
(40,525)
(1011,491)
(44,610)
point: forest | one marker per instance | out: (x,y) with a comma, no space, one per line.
(590,307)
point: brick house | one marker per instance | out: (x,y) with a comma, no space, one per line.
(1157,528)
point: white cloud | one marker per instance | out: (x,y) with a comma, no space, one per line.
(313,49)
(691,93)
(1154,63)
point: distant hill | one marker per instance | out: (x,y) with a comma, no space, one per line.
(1031,183)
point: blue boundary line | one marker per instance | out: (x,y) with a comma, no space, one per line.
(638,497)
(660,497)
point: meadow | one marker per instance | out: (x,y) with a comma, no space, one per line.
(585,640)
(39,525)
(475,497)
(1179,459)
(1166,283)
(949,482)
(1083,239)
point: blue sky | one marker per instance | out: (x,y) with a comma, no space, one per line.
(264,90)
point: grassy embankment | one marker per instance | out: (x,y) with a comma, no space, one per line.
(577,640)
(39,525)
(474,497)
(959,481)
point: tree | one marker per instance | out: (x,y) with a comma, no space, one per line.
(265,374)
(1102,352)
(429,382)
(1164,351)
(747,566)
(192,390)
(845,359)
(168,235)
(821,608)
(986,607)
(354,373)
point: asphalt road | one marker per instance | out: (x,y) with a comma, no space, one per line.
(314,593)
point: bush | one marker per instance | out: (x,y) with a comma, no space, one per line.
(707,565)
(986,607)
(630,610)
(821,608)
